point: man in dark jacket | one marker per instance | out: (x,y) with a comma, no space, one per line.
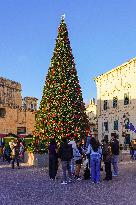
(107,157)
(65,153)
(14,153)
(115,153)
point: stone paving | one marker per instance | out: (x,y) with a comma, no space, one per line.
(31,186)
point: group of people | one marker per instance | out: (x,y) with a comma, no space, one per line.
(72,154)
(12,152)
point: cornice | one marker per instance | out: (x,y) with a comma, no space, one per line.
(120,67)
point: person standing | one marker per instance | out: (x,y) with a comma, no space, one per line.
(14,153)
(53,159)
(65,153)
(95,157)
(78,153)
(21,151)
(3,152)
(73,143)
(107,157)
(7,153)
(88,143)
(88,140)
(115,154)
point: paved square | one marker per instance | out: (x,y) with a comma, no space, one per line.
(31,186)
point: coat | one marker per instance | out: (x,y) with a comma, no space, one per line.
(106,152)
(65,152)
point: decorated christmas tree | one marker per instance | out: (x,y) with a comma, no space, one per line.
(61,109)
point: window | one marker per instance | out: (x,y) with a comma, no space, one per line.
(24,105)
(102,126)
(105,106)
(106,126)
(21,130)
(32,106)
(127,139)
(2,112)
(116,125)
(126,98)
(126,123)
(115,100)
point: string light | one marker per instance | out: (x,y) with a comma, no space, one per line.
(61,110)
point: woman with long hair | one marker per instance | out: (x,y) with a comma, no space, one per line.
(95,152)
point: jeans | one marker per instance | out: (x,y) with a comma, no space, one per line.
(72,163)
(95,167)
(66,167)
(53,166)
(115,160)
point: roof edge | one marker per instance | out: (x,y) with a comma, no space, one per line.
(116,68)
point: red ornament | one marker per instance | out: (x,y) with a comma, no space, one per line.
(53,72)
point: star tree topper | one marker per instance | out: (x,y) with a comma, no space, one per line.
(63,17)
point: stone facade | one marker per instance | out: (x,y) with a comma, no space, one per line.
(17,115)
(91,111)
(116,101)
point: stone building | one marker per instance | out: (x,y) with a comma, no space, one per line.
(17,115)
(91,111)
(116,101)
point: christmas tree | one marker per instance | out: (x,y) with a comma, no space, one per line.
(61,110)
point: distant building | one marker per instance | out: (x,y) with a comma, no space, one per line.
(17,115)
(116,101)
(91,111)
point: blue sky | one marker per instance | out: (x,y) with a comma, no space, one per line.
(102,35)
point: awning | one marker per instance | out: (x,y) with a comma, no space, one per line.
(22,135)
(3,135)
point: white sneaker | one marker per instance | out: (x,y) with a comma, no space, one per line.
(63,182)
(70,180)
(79,179)
(114,175)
